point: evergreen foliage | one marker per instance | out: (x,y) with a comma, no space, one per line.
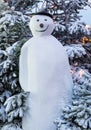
(13,27)
(65,14)
(11,126)
(76,53)
(77,116)
(3,6)
(18,5)
(14,32)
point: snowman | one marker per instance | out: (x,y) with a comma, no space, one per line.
(44,72)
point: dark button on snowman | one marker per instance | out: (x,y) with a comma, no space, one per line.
(44,72)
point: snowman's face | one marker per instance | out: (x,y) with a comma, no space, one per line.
(41,25)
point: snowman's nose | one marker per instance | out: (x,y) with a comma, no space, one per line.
(41,25)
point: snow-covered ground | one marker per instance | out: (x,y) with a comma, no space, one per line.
(86,13)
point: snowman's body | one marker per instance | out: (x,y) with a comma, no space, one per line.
(44,71)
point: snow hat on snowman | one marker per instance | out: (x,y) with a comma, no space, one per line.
(41,23)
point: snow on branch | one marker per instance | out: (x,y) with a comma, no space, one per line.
(11,126)
(76,26)
(75,51)
(16,105)
(77,115)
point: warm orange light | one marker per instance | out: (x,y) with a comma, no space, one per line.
(84,40)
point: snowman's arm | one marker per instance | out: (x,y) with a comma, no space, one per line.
(23,68)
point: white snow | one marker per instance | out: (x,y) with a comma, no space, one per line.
(75,51)
(86,14)
(75,26)
(47,28)
(44,71)
(11,126)
(13,16)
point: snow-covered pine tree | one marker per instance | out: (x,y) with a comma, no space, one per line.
(13,27)
(14,31)
(3,6)
(77,54)
(69,29)
(18,5)
(77,116)
(65,14)
(10,53)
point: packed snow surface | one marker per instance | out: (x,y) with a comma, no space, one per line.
(44,71)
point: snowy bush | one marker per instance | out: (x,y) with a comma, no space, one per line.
(59,27)
(75,51)
(3,6)
(11,127)
(77,116)
(9,85)
(15,106)
(76,27)
(13,27)
(14,32)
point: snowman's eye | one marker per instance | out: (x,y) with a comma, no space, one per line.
(37,20)
(45,19)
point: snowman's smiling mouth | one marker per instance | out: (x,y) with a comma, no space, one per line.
(43,30)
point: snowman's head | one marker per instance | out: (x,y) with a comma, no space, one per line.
(41,25)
